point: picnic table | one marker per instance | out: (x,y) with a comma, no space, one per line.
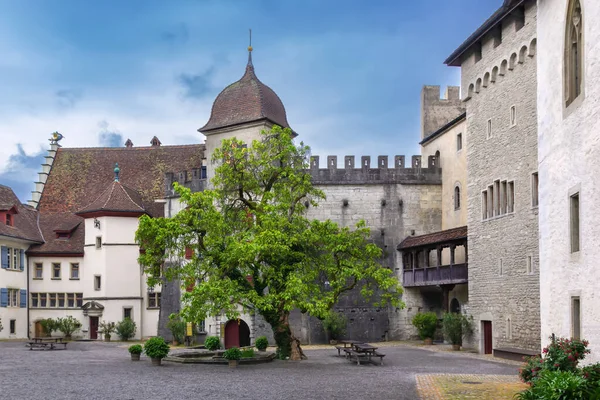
(360,351)
(45,343)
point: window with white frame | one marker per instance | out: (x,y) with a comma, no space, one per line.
(127,312)
(75,271)
(13,297)
(55,270)
(575,317)
(38,271)
(153,299)
(97,282)
(56,300)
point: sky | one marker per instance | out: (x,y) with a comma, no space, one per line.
(348,72)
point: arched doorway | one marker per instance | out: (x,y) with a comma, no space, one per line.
(237,333)
(454,306)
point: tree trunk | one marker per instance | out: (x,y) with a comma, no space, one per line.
(287,345)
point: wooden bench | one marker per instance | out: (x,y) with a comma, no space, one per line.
(339,349)
(513,353)
(54,346)
(37,345)
(47,345)
(368,357)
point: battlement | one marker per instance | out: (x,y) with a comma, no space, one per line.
(437,111)
(382,173)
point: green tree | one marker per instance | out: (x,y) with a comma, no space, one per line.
(254,247)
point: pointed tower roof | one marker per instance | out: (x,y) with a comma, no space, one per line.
(116,200)
(246,100)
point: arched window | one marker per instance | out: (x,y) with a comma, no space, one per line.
(573,52)
(457,198)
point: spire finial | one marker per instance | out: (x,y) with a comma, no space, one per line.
(250,49)
(117,170)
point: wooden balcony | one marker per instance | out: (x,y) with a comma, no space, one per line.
(433,276)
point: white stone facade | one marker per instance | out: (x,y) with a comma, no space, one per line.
(569,154)
(13,288)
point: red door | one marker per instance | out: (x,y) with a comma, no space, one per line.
(232,334)
(93,327)
(487,337)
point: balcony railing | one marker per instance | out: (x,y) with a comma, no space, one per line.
(432,276)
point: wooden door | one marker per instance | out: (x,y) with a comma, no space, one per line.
(93,327)
(487,337)
(232,334)
(39,330)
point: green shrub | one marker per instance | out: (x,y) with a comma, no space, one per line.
(135,349)
(248,353)
(232,354)
(532,369)
(564,354)
(426,324)
(212,343)
(126,329)
(107,328)
(591,373)
(156,347)
(177,328)
(49,325)
(456,326)
(262,343)
(335,324)
(557,385)
(68,325)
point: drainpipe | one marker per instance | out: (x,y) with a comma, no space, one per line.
(28,296)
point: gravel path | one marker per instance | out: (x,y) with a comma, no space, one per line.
(96,370)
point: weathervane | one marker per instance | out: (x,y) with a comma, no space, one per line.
(56,137)
(250,49)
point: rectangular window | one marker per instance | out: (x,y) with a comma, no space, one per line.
(484,204)
(202,326)
(79,299)
(71,300)
(477,52)
(510,204)
(43,300)
(127,311)
(503,197)
(529,265)
(75,271)
(496,197)
(97,282)
(52,297)
(55,270)
(154,300)
(13,297)
(38,271)
(61,300)
(35,303)
(500,267)
(489,128)
(575,223)
(575,318)
(513,116)
(203,172)
(13,326)
(490,201)
(459,142)
(15,262)
(534,190)
(98,242)
(13,258)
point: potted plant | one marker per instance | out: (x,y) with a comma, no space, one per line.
(233,355)
(135,351)
(335,325)
(48,325)
(261,343)
(126,329)
(455,327)
(107,328)
(68,326)
(212,343)
(156,348)
(426,324)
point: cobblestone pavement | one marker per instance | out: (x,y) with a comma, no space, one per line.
(467,387)
(98,370)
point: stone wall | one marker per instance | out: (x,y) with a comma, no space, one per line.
(569,154)
(437,112)
(510,293)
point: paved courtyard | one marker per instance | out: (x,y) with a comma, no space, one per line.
(99,370)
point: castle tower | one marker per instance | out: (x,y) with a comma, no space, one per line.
(242,110)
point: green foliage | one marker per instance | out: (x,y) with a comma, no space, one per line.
(156,347)
(255,249)
(1,327)
(456,326)
(426,324)
(248,353)
(68,325)
(212,343)
(591,373)
(532,369)
(177,328)
(557,385)
(135,349)
(126,329)
(261,343)
(107,328)
(232,354)
(49,325)
(335,324)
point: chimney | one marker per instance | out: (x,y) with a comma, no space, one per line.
(129,143)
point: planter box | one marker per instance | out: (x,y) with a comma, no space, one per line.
(156,362)
(135,357)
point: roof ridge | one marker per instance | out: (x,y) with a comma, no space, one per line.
(112,190)
(129,197)
(92,202)
(131,148)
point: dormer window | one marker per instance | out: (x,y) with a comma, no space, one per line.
(9,220)
(63,235)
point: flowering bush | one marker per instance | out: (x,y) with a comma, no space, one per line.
(532,369)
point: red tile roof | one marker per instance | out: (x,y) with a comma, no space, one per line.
(25,221)
(434,238)
(81,176)
(246,100)
(117,198)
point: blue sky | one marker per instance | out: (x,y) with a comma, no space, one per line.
(349,72)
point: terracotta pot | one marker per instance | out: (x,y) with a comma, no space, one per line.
(234,363)
(107,338)
(428,341)
(136,357)
(156,362)
(456,347)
